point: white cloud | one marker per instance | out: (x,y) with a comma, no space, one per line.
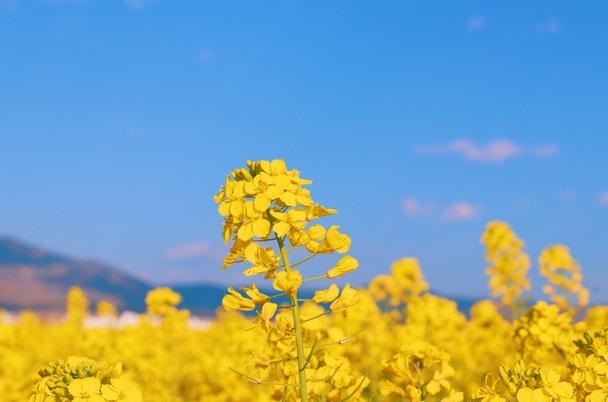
(461,211)
(476,23)
(414,208)
(495,151)
(551,26)
(193,250)
(603,198)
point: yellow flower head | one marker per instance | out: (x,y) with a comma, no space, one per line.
(234,301)
(347,298)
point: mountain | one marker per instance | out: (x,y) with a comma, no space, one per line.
(201,298)
(37,279)
(204,298)
(34,278)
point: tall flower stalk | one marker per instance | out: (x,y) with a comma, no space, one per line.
(509,265)
(265,204)
(297,325)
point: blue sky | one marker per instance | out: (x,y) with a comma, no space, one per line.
(418,121)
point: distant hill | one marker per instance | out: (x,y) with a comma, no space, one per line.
(37,279)
(34,278)
(204,298)
(201,298)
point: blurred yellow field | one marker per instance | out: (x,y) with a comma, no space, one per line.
(392,341)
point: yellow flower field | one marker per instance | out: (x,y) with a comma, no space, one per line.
(392,341)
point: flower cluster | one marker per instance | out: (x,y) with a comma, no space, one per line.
(419,372)
(268,215)
(404,284)
(77,305)
(266,202)
(564,275)
(543,334)
(106,308)
(163,301)
(589,365)
(534,384)
(509,263)
(79,379)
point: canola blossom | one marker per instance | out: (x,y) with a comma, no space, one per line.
(391,341)
(270,216)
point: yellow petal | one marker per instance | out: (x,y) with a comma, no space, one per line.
(261,227)
(261,203)
(281,228)
(245,232)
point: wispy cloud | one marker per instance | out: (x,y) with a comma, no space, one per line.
(15,4)
(184,275)
(476,23)
(551,26)
(205,55)
(495,151)
(457,211)
(461,211)
(567,196)
(8,4)
(64,2)
(544,151)
(603,198)
(414,208)
(193,250)
(521,204)
(138,4)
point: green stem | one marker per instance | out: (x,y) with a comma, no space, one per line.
(277,295)
(316,316)
(297,327)
(314,278)
(304,260)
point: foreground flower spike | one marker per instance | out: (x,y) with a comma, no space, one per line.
(268,214)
